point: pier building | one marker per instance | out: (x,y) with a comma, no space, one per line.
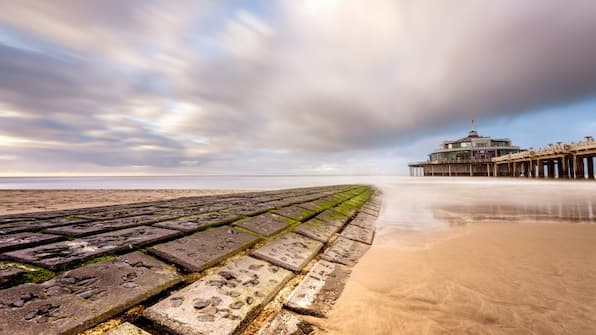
(468,156)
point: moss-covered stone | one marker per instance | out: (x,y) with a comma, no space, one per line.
(12,274)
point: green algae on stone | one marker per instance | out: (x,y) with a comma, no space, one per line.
(12,274)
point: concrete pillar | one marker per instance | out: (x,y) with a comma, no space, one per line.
(471,174)
(551,169)
(590,167)
(579,168)
(561,168)
(514,169)
(522,169)
(565,168)
(449,166)
(432,170)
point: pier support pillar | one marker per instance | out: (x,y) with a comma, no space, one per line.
(579,168)
(551,169)
(590,167)
(566,173)
(540,165)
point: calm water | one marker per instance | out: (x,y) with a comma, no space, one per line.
(410,203)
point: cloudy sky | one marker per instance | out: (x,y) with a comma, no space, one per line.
(284,87)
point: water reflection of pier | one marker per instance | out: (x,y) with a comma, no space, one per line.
(563,161)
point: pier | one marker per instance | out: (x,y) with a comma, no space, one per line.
(478,156)
(560,161)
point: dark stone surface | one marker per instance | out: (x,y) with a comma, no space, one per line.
(83,297)
(286,323)
(37,225)
(333,217)
(295,212)
(199,251)
(8,274)
(318,291)
(61,255)
(220,303)
(345,251)
(291,251)
(356,233)
(317,229)
(364,220)
(123,213)
(196,222)
(248,210)
(265,224)
(26,239)
(90,228)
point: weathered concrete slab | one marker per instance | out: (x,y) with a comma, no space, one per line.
(317,229)
(320,205)
(333,217)
(247,210)
(370,210)
(295,212)
(8,274)
(204,249)
(83,297)
(364,220)
(196,222)
(117,214)
(318,291)
(291,251)
(13,219)
(356,233)
(345,251)
(265,224)
(286,323)
(25,240)
(127,328)
(36,225)
(90,228)
(61,255)
(220,303)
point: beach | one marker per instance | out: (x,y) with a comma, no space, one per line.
(464,256)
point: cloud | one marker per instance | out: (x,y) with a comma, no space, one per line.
(231,86)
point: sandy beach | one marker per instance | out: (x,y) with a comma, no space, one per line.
(438,267)
(20,201)
(493,278)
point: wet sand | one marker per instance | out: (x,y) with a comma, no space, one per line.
(19,201)
(452,258)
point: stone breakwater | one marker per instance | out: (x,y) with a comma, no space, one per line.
(225,264)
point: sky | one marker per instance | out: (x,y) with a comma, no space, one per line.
(284,87)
